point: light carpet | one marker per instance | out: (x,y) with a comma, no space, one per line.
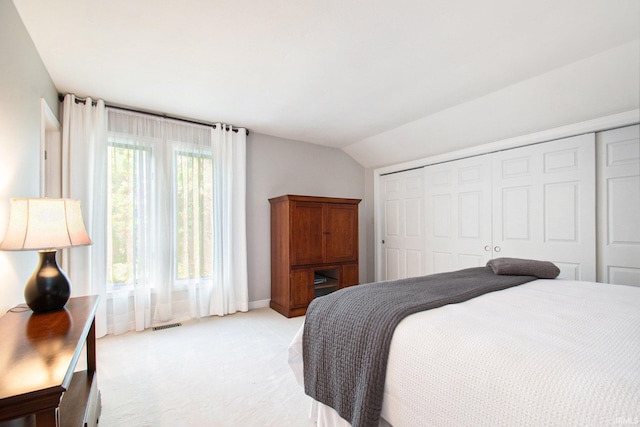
(219,371)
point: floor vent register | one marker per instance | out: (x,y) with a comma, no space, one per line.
(170,325)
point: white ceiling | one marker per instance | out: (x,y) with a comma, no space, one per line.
(327,72)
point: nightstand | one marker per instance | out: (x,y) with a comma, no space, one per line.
(38,357)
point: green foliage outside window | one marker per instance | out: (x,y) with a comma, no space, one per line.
(194,216)
(128,202)
(125,164)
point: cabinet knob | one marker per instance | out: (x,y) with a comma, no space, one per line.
(383,242)
(496,249)
(487,248)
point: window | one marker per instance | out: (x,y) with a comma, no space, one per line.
(126,167)
(194,214)
(158,212)
(174,219)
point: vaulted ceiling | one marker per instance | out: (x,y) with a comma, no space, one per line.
(328,72)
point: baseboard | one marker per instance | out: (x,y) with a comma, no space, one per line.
(258,304)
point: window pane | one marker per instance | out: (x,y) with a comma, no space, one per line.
(127,167)
(194,215)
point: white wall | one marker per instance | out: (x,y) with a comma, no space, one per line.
(23,82)
(277,166)
(601,85)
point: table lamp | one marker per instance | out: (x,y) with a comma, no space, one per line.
(45,225)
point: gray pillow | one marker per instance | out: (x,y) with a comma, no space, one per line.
(524,267)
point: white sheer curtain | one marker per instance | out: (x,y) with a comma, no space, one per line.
(164,203)
(133,225)
(178,242)
(229,192)
(84,148)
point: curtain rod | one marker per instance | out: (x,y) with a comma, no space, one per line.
(165,116)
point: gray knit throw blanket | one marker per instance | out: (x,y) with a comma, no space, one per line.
(347,334)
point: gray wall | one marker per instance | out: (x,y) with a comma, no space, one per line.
(23,82)
(277,166)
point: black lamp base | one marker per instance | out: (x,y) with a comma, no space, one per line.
(48,289)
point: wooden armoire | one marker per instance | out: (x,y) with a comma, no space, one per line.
(314,249)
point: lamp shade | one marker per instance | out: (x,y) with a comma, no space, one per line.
(40,224)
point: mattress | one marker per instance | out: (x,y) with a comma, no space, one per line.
(549,352)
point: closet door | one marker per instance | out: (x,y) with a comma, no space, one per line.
(458,214)
(619,206)
(544,204)
(402,230)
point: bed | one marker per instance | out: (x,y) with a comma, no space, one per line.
(544,352)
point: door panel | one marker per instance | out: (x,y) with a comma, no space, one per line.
(619,206)
(458,214)
(442,261)
(543,202)
(442,207)
(391,263)
(471,260)
(402,246)
(413,262)
(568,270)
(529,202)
(561,212)
(516,214)
(469,225)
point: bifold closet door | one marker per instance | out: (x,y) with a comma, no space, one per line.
(458,209)
(401,252)
(544,204)
(619,206)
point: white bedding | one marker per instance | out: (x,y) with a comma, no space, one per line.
(549,352)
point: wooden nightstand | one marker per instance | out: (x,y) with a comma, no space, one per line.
(38,356)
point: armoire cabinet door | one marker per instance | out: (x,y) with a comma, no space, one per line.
(349,275)
(301,288)
(341,232)
(323,233)
(307,228)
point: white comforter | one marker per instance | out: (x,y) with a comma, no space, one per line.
(549,352)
